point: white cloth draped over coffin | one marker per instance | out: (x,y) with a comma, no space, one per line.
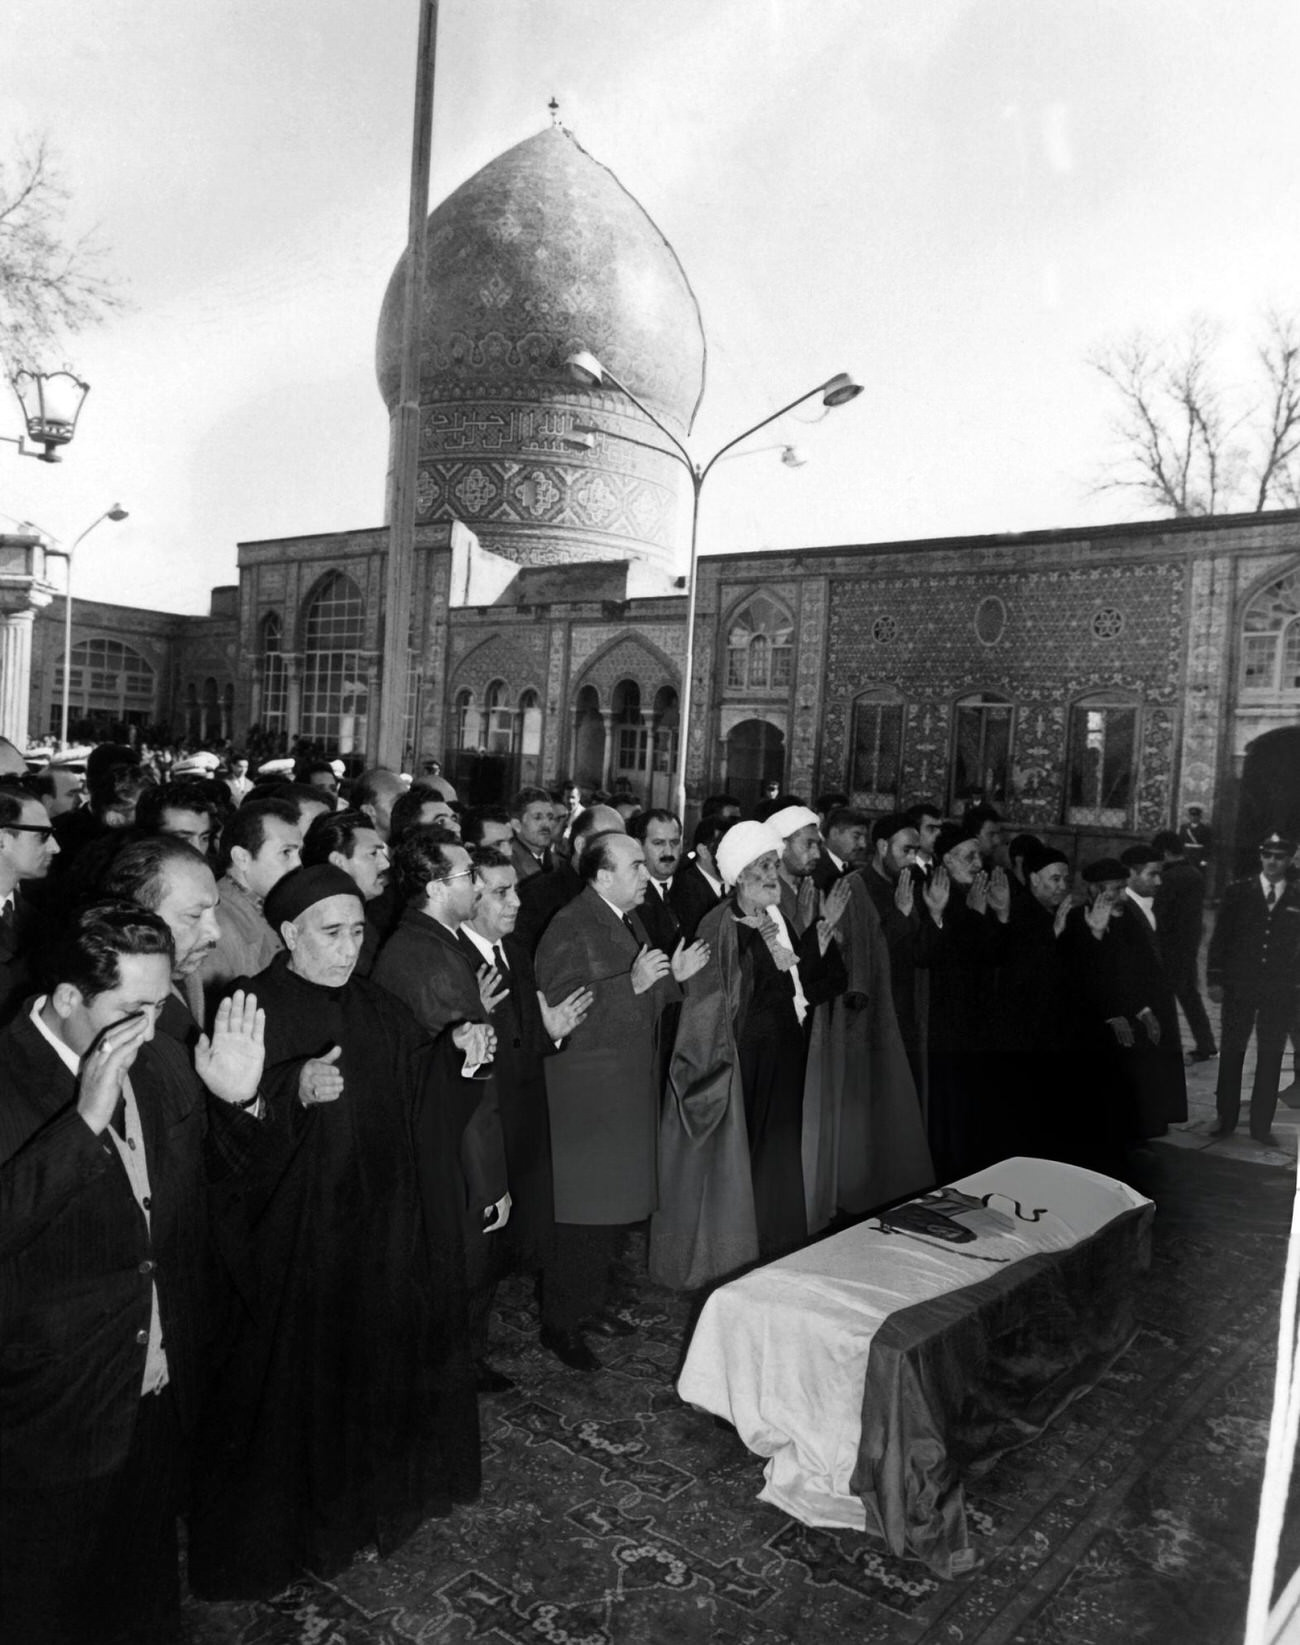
(782,1352)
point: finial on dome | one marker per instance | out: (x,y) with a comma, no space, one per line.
(555,111)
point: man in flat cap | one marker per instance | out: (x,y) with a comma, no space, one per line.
(1253,967)
(344,1411)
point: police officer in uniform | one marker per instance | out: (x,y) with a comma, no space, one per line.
(1253,968)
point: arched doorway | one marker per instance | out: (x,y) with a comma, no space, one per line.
(755,754)
(588,741)
(1270,793)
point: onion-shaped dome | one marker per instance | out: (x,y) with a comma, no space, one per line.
(540,255)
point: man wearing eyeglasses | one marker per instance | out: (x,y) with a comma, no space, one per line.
(27,847)
(1253,967)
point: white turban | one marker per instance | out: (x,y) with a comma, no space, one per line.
(792,819)
(742,844)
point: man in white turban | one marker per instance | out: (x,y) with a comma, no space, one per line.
(731,1181)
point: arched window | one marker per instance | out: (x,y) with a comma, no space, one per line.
(875,756)
(588,740)
(275,693)
(500,720)
(981,762)
(1270,642)
(530,724)
(1101,762)
(335,696)
(667,721)
(108,682)
(629,732)
(467,720)
(760,646)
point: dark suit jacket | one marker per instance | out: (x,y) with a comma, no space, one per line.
(659,917)
(77,1260)
(427,967)
(520,1079)
(1180,906)
(603,1088)
(17,936)
(539,897)
(1253,952)
(691,896)
(526,864)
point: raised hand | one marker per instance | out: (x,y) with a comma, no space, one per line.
(999,893)
(1098,917)
(977,898)
(491,989)
(936,891)
(104,1067)
(230,1062)
(836,900)
(647,968)
(560,1020)
(1062,915)
(687,961)
(905,894)
(320,1080)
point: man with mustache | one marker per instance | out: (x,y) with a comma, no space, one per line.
(173,880)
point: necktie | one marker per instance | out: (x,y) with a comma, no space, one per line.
(499,959)
(1271,898)
(627,921)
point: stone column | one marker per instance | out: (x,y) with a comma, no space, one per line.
(23,590)
(611,733)
(293,697)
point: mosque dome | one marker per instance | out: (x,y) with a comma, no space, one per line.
(541,254)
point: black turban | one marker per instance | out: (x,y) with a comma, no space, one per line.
(1105,868)
(302,887)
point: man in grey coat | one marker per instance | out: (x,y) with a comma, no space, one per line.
(602,1088)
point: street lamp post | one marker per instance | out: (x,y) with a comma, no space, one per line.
(836,391)
(117,512)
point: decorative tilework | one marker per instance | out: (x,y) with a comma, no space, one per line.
(1046,653)
(810,676)
(498,659)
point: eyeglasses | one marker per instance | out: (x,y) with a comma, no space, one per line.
(43,829)
(460,874)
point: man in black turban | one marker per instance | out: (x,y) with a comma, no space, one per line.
(345,1410)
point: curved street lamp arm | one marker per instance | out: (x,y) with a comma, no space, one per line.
(754,428)
(679,450)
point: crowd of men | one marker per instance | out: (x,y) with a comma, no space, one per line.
(293,1077)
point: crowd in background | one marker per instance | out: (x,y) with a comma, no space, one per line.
(298,1065)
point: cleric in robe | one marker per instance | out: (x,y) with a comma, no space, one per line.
(345,1410)
(730,1170)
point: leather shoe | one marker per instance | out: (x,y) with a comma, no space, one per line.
(609,1325)
(488,1380)
(570,1347)
(1219,1129)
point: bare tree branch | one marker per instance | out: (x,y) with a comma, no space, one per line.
(1182,444)
(49,285)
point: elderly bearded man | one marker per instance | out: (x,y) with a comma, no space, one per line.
(602,1088)
(730,1150)
(345,1411)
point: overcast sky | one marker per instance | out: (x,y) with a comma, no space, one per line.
(953,199)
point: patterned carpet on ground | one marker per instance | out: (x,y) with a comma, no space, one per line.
(612,1513)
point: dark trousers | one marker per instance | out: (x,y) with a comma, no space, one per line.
(1269,1020)
(95,1562)
(1188,994)
(576,1285)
